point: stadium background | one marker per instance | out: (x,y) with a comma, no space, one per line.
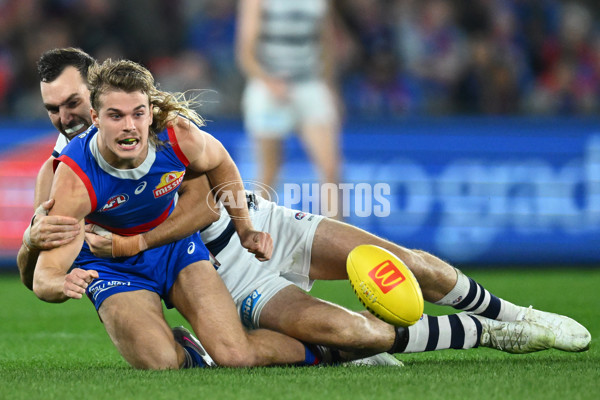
(481,116)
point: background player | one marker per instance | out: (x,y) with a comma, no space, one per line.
(286,51)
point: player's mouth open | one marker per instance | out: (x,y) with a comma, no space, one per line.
(73,130)
(128,143)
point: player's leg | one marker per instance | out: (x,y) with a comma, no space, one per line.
(268,159)
(135,323)
(312,320)
(357,335)
(268,120)
(321,143)
(202,298)
(466,331)
(319,132)
(440,282)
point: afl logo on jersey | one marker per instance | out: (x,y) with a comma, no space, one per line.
(168,183)
(115,202)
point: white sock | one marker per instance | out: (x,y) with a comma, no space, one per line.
(468,295)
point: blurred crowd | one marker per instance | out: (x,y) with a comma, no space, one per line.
(395,57)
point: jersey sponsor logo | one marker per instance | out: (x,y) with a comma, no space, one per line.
(115,202)
(191,247)
(168,183)
(387,276)
(141,187)
(248,308)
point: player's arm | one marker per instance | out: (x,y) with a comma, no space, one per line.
(195,209)
(247,34)
(44,232)
(207,154)
(43,182)
(328,49)
(249,15)
(51,282)
(329,29)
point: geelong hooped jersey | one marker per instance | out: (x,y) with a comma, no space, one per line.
(289,41)
(127,201)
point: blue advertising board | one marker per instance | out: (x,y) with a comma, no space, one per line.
(474,191)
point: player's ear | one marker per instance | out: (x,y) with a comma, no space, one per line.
(94,115)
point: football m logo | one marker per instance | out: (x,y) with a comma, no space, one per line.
(386,276)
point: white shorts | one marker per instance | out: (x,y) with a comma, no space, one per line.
(267,117)
(253,283)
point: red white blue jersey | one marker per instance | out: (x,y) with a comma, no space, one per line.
(127,201)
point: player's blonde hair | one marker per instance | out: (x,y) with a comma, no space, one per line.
(129,77)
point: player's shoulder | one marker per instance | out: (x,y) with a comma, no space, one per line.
(182,124)
(186,131)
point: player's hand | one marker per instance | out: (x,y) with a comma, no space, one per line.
(278,88)
(77,281)
(49,232)
(105,244)
(258,243)
(99,240)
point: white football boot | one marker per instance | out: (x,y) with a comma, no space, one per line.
(517,337)
(378,359)
(570,334)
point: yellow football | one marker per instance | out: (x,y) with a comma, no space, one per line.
(385,285)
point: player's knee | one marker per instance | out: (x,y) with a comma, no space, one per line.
(418,265)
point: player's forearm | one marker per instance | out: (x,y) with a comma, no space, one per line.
(230,191)
(249,17)
(43,183)
(26,260)
(250,66)
(328,53)
(195,210)
(179,225)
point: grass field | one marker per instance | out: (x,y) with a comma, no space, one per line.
(60,351)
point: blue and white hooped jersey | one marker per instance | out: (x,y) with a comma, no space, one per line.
(127,201)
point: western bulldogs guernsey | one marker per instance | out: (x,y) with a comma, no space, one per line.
(129,202)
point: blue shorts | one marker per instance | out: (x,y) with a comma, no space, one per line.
(155,269)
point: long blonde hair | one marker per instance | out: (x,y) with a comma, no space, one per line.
(129,77)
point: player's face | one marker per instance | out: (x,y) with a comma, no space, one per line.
(123,122)
(67,100)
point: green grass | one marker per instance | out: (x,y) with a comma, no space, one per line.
(61,351)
